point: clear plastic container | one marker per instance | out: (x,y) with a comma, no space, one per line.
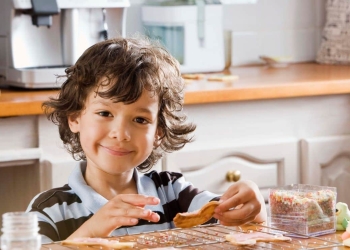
(303,209)
(20,231)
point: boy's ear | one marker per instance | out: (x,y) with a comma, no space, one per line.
(157,137)
(74,123)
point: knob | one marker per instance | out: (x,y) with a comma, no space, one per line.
(233,176)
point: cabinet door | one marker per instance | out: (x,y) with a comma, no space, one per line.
(269,164)
(326,161)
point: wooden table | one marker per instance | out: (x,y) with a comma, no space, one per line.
(254,83)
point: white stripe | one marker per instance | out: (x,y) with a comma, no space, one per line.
(43,218)
(45,239)
(142,229)
(201,199)
(31,202)
(146,186)
(179,185)
(169,192)
(72,211)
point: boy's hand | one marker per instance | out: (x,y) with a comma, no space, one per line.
(241,203)
(122,210)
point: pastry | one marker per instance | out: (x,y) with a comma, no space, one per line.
(222,78)
(191,219)
(86,241)
(193,76)
(243,239)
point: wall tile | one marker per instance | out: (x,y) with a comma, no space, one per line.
(245,48)
(318,40)
(241,17)
(286,14)
(301,44)
(320,13)
(273,43)
(301,14)
(272,14)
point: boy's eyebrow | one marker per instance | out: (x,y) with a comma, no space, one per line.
(139,109)
(144,110)
(100,101)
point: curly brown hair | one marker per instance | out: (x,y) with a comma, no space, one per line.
(130,65)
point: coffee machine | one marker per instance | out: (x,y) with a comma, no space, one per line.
(39,39)
(191,30)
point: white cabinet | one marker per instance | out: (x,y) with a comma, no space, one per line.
(253,137)
(268,163)
(19,162)
(326,161)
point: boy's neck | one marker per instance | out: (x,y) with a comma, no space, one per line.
(109,185)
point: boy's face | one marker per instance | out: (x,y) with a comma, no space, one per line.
(117,137)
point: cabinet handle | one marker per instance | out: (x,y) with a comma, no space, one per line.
(233,176)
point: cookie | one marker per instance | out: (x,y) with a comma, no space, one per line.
(86,241)
(191,219)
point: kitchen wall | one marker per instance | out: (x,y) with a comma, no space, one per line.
(279,28)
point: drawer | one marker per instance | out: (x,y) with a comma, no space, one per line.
(18,132)
(214,176)
(268,164)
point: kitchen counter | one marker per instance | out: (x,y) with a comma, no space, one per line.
(254,83)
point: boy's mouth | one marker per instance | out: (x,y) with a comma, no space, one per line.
(117,150)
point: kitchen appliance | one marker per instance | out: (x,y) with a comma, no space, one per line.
(192,31)
(40,38)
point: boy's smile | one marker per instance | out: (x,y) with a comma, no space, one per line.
(117,150)
(116,137)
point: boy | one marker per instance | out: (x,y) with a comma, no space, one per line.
(118,110)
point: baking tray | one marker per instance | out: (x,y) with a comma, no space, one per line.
(210,236)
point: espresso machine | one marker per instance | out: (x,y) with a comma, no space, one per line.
(39,39)
(191,30)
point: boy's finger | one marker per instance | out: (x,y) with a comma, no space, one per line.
(136,213)
(229,204)
(154,217)
(139,200)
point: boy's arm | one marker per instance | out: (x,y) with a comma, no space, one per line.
(47,229)
(122,210)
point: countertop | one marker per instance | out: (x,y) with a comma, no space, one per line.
(207,237)
(253,83)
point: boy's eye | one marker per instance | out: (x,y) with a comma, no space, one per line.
(104,113)
(140,120)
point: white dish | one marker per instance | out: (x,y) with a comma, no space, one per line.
(276,62)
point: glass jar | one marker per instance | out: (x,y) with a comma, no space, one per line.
(20,231)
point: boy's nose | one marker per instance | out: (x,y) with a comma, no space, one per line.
(120,132)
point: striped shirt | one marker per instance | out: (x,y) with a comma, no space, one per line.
(63,210)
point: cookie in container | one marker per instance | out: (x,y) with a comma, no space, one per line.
(303,209)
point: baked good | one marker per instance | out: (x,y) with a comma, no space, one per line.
(244,239)
(102,242)
(193,76)
(191,219)
(222,78)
